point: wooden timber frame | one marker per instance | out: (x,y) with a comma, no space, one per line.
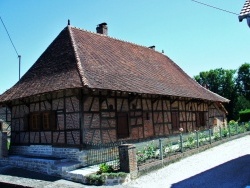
(92,116)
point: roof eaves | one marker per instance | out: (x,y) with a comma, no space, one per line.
(78,61)
(241,17)
(245,11)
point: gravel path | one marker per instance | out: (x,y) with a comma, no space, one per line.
(227,165)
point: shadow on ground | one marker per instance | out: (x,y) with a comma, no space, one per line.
(23,173)
(232,174)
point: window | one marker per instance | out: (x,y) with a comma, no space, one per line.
(42,120)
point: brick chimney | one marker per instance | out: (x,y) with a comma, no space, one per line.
(152,47)
(102,28)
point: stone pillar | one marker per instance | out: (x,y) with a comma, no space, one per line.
(128,162)
(3,144)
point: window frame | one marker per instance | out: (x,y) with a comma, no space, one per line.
(42,121)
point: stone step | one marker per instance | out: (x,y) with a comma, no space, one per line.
(79,175)
(44,164)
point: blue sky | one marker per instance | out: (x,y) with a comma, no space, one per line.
(196,37)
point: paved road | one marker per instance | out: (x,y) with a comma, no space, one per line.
(224,166)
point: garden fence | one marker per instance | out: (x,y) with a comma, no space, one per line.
(103,153)
(167,147)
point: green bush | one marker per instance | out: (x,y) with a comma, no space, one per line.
(216,136)
(244,115)
(247,126)
(203,137)
(191,141)
(225,132)
(148,152)
(105,168)
(95,179)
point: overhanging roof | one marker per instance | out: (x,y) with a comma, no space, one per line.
(78,58)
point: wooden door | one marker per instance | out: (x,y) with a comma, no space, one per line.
(175,120)
(122,125)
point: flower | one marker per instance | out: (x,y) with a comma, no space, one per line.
(181,129)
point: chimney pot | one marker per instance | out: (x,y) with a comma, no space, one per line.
(152,47)
(102,28)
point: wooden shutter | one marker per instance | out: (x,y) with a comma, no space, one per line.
(53,120)
(122,125)
(35,121)
(26,121)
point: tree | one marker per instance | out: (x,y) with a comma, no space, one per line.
(242,104)
(243,80)
(222,82)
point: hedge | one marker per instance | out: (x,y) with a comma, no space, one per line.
(244,115)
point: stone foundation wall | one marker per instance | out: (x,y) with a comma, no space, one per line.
(42,150)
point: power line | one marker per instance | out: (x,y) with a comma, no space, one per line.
(9,37)
(214,7)
(19,56)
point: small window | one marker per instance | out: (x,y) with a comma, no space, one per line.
(111,107)
(42,121)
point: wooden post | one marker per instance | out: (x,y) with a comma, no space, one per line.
(210,136)
(220,133)
(197,139)
(160,147)
(181,142)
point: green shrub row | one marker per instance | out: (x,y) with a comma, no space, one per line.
(244,115)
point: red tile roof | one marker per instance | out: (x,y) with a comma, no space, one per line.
(78,58)
(245,11)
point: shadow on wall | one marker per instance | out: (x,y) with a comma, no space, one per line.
(232,174)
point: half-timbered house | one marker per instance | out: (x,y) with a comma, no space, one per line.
(91,88)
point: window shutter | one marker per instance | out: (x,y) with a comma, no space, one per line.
(26,121)
(53,120)
(39,121)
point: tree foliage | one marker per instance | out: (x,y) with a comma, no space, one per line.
(243,80)
(222,82)
(231,84)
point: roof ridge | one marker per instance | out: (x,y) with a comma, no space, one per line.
(115,39)
(78,61)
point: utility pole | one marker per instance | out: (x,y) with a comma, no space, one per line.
(19,57)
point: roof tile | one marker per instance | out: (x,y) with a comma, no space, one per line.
(78,58)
